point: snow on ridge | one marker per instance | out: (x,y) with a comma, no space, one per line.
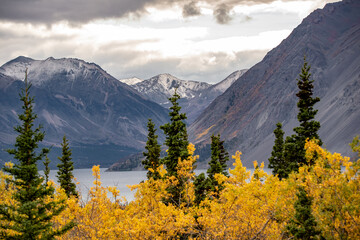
(170,82)
(228,81)
(41,70)
(166,84)
(131,81)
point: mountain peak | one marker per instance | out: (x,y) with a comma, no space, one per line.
(131,81)
(22,59)
(40,71)
(228,81)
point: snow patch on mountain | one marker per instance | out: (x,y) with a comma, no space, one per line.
(42,70)
(166,84)
(227,82)
(131,81)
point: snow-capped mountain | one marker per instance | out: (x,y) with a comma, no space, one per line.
(195,96)
(40,71)
(131,81)
(162,86)
(103,118)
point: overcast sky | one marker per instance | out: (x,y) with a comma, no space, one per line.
(190,39)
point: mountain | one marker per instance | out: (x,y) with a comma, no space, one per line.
(162,86)
(131,81)
(223,85)
(191,106)
(195,96)
(103,118)
(246,114)
(195,106)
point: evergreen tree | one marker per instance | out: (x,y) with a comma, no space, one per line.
(201,188)
(303,225)
(46,169)
(276,161)
(218,165)
(219,157)
(152,155)
(177,143)
(223,157)
(215,165)
(30,215)
(308,127)
(66,166)
(176,136)
(294,152)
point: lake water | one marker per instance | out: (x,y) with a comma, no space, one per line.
(117,179)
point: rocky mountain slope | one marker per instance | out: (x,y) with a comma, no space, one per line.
(193,107)
(103,118)
(246,114)
(195,96)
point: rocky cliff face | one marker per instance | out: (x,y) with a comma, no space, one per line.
(103,118)
(246,114)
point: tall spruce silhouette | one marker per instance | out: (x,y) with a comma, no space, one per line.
(152,154)
(31,213)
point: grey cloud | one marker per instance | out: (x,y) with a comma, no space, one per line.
(222,14)
(191,9)
(122,61)
(49,11)
(79,11)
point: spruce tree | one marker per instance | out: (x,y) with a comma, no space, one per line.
(152,154)
(294,151)
(176,136)
(65,167)
(308,126)
(223,157)
(46,169)
(219,157)
(303,225)
(177,142)
(276,161)
(201,185)
(30,214)
(217,165)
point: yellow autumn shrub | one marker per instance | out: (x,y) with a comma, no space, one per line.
(253,205)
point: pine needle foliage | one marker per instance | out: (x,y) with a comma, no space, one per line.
(206,186)
(152,154)
(303,225)
(65,170)
(176,136)
(217,164)
(293,149)
(308,126)
(177,142)
(46,169)
(31,213)
(201,185)
(276,161)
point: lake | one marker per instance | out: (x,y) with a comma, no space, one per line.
(117,179)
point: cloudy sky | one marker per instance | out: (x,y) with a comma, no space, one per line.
(195,40)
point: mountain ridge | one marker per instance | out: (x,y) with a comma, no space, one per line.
(81,100)
(194,95)
(246,114)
